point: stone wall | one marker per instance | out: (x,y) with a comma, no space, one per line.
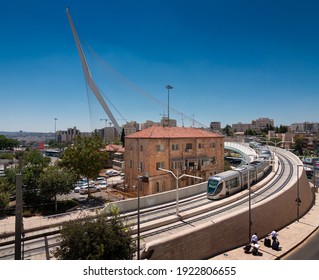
(232,230)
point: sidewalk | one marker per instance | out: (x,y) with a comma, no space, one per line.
(289,237)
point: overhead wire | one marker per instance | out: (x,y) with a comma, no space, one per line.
(139,90)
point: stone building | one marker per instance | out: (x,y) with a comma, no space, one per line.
(179,149)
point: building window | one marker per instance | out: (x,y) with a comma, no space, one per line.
(131,163)
(200,146)
(188,147)
(160,148)
(157,187)
(213,160)
(175,147)
(212,145)
(141,148)
(159,165)
(177,164)
(140,166)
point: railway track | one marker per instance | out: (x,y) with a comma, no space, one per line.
(257,196)
(160,213)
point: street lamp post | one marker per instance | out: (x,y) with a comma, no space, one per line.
(138,215)
(104,128)
(314,182)
(298,201)
(140,179)
(168,87)
(177,187)
(249,206)
(249,197)
(55,119)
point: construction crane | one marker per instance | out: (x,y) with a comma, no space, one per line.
(88,76)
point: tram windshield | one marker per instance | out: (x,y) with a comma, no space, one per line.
(212,185)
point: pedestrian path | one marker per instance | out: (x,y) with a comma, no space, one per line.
(289,237)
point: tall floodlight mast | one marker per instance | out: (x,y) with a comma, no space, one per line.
(89,78)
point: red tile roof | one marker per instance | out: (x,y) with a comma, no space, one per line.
(114,148)
(156,131)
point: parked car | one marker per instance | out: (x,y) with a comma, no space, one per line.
(79,187)
(98,179)
(112,173)
(102,185)
(85,189)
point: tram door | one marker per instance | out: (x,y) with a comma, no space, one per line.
(227,185)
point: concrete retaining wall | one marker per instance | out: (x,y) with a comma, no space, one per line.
(157,199)
(232,231)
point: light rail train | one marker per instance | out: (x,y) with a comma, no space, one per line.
(230,182)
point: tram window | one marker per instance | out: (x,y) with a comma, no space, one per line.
(219,189)
(233,183)
(212,184)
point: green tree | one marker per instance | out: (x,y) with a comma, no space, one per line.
(5,192)
(56,181)
(228,130)
(33,166)
(123,137)
(283,129)
(103,238)
(7,143)
(298,145)
(84,157)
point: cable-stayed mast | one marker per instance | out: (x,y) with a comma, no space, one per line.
(89,78)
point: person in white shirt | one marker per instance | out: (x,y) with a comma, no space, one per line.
(254,238)
(273,235)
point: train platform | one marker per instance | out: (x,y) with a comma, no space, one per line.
(289,237)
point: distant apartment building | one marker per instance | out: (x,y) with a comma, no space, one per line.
(215,126)
(179,149)
(68,135)
(148,124)
(305,127)
(109,134)
(130,127)
(170,122)
(256,125)
(241,127)
(262,123)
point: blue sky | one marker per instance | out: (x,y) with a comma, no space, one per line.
(228,60)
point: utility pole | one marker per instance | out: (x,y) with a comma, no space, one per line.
(55,119)
(168,87)
(19,216)
(104,129)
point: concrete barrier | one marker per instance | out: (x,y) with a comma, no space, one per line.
(128,205)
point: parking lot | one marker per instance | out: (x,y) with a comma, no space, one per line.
(108,192)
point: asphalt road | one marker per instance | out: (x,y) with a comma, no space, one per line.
(308,250)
